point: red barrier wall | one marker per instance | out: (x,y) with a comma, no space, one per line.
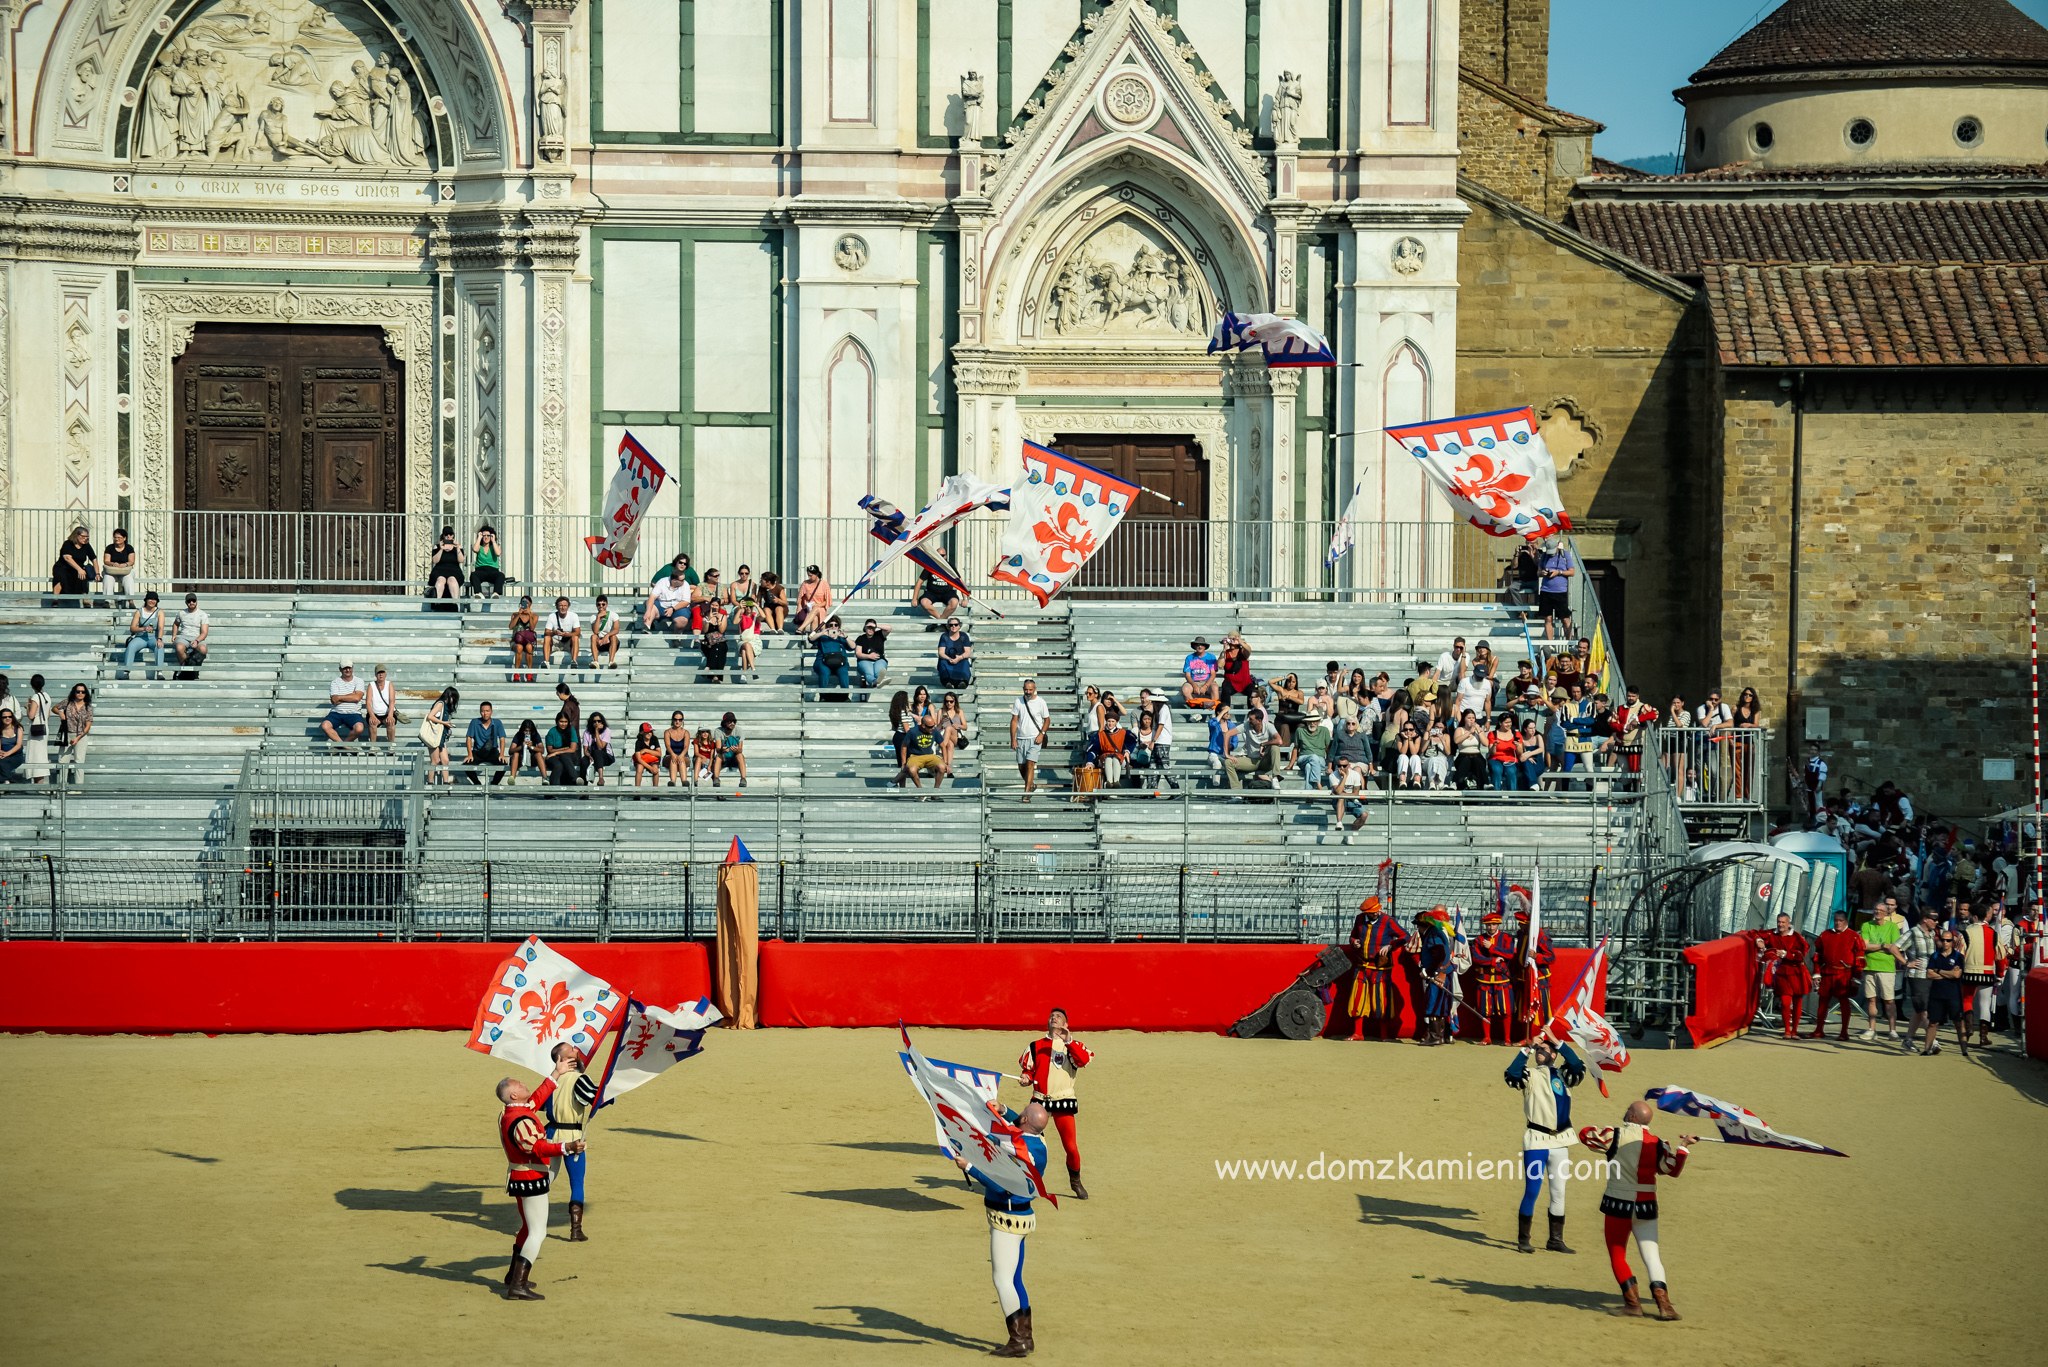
(1010,987)
(2036,1006)
(1723,972)
(96,988)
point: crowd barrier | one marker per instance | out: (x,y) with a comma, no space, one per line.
(301,988)
(1723,989)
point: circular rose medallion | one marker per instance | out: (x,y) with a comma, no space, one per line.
(1128,99)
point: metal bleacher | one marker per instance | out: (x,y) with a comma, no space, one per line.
(176,766)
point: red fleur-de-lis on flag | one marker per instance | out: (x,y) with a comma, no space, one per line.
(1067,546)
(550,1014)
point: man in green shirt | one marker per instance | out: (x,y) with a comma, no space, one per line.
(1312,745)
(1880,968)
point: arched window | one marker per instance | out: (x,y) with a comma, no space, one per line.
(1404,492)
(849,420)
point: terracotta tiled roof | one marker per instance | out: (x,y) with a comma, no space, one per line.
(1747,171)
(1681,236)
(1786,315)
(1840,35)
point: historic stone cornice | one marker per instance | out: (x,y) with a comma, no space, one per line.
(553,239)
(1244,378)
(838,209)
(478,239)
(103,235)
(977,370)
(1406,213)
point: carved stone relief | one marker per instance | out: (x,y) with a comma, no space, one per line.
(280,81)
(554,416)
(6,416)
(484,368)
(75,365)
(1567,432)
(1127,279)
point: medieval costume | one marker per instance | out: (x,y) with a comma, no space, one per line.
(1375,935)
(1983,966)
(1544,1075)
(1049,1065)
(568,1114)
(1781,966)
(1493,957)
(1010,1221)
(1841,968)
(527,1153)
(1433,948)
(1629,1206)
(1532,1011)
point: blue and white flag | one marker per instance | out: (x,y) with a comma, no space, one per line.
(651,1041)
(1735,1124)
(1285,342)
(973,1126)
(958,496)
(984,1082)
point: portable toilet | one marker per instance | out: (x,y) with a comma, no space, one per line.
(1821,851)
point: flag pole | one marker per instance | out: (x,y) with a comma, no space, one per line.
(604,1083)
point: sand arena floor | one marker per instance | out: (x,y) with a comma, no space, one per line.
(339,1199)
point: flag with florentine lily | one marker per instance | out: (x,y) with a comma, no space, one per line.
(537,1000)
(1733,1124)
(1061,512)
(634,485)
(1492,468)
(1580,1023)
(974,1127)
(652,1040)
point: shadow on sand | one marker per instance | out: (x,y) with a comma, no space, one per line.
(872,1324)
(460,1202)
(882,1198)
(1384,1210)
(1570,1296)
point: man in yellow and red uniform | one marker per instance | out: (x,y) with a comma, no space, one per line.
(1781,956)
(1049,1064)
(1841,966)
(1375,935)
(1493,957)
(1635,1158)
(527,1152)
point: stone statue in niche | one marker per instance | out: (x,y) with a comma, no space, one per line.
(1287,109)
(1096,293)
(970,105)
(196,103)
(549,95)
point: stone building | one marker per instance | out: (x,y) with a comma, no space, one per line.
(429,258)
(1800,384)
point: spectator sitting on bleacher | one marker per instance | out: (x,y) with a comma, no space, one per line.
(604,634)
(1199,687)
(560,751)
(1263,754)
(189,634)
(871,654)
(380,703)
(13,748)
(939,599)
(1425,686)
(119,564)
(732,751)
(1235,668)
(1113,747)
(675,749)
(344,721)
(1475,693)
(566,699)
(813,603)
(1351,768)
(713,645)
(1152,705)
(922,754)
(703,758)
(669,598)
(1352,699)
(710,593)
(527,748)
(1436,754)
(1568,665)
(956,653)
(1290,707)
(774,600)
(145,633)
(435,729)
(1145,747)
(1312,750)
(525,630)
(597,746)
(1451,666)
(487,564)
(1533,759)
(745,624)
(562,624)
(1222,742)
(832,655)
(902,721)
(483,747)
(1524,680)
(446,577)
(1504,754)
(646,755)
(76,569)
(952,729)
(1332,681)
(742,587)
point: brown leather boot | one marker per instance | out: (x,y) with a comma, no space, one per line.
(1522,1244)
(1663,1299)
(1557,1243)
(1074,1184)
(1631,1306)
(576,1234)
(519,1289)
(1019,1325)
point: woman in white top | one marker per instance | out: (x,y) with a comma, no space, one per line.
(381,703)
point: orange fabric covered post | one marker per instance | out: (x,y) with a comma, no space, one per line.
(739,938)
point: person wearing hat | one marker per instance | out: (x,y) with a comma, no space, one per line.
(1433,947)
(1375,935)
(1630,722)
(1493,952)
(145,632)
(1199,687)
(344,720)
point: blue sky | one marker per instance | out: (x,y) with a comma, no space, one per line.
(1619,60)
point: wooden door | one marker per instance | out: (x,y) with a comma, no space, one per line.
(290,442)
(1161,550)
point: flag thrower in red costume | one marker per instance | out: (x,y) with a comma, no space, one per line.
(1534,955)
(1049,1064)
(1841,969)
(1636,1158)
(1781,966)
(528,1152)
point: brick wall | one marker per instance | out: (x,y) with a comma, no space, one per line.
(1504,150)
(1540,320)
(1922,512)
(1508,40)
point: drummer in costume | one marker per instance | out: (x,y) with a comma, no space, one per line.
(1533,1013)
(527,1153)
(1433,948)
(1010,1221)
(1544,1073)
(1493,958)
(1049,1064)
(565,1101)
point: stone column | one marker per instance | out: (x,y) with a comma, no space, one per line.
(1248,385)
(482,251)
(551,244)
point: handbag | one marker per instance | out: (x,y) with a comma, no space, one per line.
(433,733)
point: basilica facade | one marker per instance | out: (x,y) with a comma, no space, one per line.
(433,256)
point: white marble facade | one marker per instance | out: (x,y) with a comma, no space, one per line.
(804,248)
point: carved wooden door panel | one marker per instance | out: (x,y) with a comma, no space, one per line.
(289,449)
(1162,548)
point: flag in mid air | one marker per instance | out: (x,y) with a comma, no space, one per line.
(1284,342)
(1493,468)
(651,1041)
(972,1126)
(1579,1023)
(539,999)
(1060,514)
(984,1081)
(633,487)
(1735,1124)
(958,496)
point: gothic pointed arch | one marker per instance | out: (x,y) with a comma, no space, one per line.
(850,411)
(233,85)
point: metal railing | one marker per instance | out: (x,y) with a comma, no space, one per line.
(1723,768)
(338,893)
(389,553)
